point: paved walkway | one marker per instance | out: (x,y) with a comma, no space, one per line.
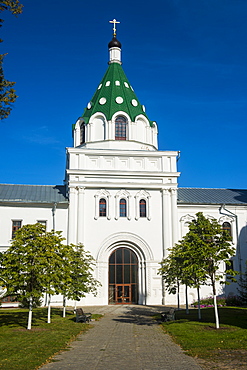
(125,338)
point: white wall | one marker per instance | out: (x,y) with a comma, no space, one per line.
(30,214)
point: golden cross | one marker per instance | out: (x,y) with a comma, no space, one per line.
(114,27)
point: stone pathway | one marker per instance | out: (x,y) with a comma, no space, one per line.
(125,338)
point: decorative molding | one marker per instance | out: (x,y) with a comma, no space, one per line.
(186,218)
(122,194)
(209,217)
(225,218)
(124,239)
(105,195)
(142,194)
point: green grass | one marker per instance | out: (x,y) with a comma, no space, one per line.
(201,339)
(22,349)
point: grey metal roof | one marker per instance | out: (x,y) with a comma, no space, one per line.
(57,194)
(33,193)
(212,196)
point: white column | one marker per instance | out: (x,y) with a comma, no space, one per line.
(142,286)
(80,212)
(166,230)
(76,136)
(72,221)
(128,208)
(174,216)
(117,207)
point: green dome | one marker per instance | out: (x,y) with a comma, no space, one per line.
(114,94)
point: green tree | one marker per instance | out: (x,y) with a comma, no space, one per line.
(80,274)
(192,271)
(171,271)
(7,92)
(178,268)
(196,259)
(34,264)
(209,246)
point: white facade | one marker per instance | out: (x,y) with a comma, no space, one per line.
(131,175)
(113,166)
(27,213)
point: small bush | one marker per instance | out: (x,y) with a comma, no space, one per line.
(209,302)
(234,301)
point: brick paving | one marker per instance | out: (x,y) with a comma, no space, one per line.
(126,337)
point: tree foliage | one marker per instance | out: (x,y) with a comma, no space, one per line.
(14,6)
(7,92)
(33,263)
(38,262)
(212,246)
(81,280)
(196,259)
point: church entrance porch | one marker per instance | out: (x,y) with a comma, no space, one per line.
(123,277)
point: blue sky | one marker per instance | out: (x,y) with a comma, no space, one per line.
(186,60)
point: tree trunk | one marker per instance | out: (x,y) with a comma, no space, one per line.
(49,310)
(199,303)
(30,314)
(217,323)
(178,295)
(75,307)
(186,298)
(64,306)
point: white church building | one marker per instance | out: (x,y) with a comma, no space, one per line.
(121,198)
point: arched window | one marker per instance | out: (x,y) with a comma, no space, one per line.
(102,207)
(122,208)
(227,227)
(143,210)
(121,128)
(82,133)
(123,277)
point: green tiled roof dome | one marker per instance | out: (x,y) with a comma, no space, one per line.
(114,94)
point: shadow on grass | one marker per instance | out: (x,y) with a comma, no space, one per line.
(19,317)
(227,316)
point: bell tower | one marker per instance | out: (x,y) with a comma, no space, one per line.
(114,118)
(122,190)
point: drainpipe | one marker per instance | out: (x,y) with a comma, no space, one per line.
(233,215)
(53,216)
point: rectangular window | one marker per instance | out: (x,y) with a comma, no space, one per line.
(16,225)
(122,208)
(142,205)
(42,222)
(102,207)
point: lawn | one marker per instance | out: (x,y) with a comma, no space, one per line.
(22,349)
(201,339)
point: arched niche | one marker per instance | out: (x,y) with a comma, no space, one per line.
(97,128)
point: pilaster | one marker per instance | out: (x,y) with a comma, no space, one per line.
(174,216)
(72,222)
(80,213)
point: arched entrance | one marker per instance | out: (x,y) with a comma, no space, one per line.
(123,277)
